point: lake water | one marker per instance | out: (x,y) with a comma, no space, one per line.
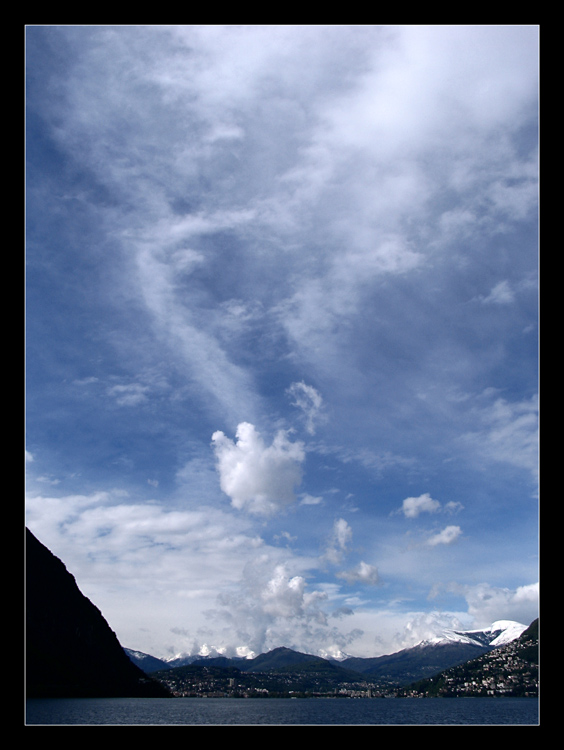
(255,711)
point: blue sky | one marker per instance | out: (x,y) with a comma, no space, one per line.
(281,328)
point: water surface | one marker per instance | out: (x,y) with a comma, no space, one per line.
(255,711)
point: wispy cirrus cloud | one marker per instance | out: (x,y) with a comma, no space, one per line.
(507,432)
(309,400)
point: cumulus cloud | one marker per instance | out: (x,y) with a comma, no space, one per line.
(447,536)
(258,478)
(413,506)
(284,596)
(487,603)
(274,606)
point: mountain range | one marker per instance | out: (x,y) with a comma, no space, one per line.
(510,669)
(429,657)
(71,650)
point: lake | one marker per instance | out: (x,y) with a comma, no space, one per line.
(280,711)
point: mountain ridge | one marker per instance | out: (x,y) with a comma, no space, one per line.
(71,651)
(510,669)
(391,670)
(501,631)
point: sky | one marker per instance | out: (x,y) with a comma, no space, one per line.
(281,330)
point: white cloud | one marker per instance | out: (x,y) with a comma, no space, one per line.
(274,606)
(342,533)
(190,337)
(258,478)
(453,507)
(147,568)
(414,506)
(362,573)
(447,536)
(508,433)
(487,603)
(339,541)
(284,596)
(311,500)
(309,401)
(501,294)
(129,395)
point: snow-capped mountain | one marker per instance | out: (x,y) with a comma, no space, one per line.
(146,662)
(498,633)
(446,649)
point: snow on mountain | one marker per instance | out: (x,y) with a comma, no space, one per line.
(146,662)
(498,633)
(507,631)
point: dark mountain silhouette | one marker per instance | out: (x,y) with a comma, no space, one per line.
(392,670)
(279,658)
(399,668)
(70,649)
(414,663)
(285,660)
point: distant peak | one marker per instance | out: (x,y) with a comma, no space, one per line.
(498,633)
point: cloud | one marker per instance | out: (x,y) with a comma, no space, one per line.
(339,541)
(508,433)
(309,401)
(311,500)
(487,603)
(283,596)
(447,536)
(258,478)
(453,507)
(362,573)
(413,506)
(424,626)
(274,606)
(501,294)
(296,204)
(148,569)
(129,395)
